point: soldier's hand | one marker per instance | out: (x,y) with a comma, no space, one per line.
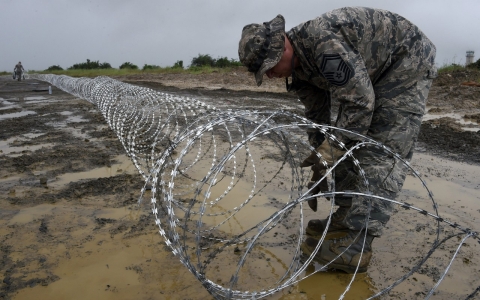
(318,172)
(329,152)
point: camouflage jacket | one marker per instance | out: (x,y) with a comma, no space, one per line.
(342,54)
(18,68)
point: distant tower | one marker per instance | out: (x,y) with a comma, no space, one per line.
(469,59)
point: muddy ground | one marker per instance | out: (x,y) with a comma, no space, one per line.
(70,226)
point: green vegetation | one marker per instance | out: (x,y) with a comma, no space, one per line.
(475,65)
(54,68)
(150,67)
(450,68)
(90,65)
(123,72)
(178,64)
(201,64)
(128,65)
(203,60)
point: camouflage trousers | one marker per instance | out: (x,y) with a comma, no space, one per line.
(18,75)
(397,127)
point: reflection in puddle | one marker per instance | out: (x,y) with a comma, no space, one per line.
(33,135)
(70,119)
(5,147)
(117,213)
(35,98)
(44,101)
(9,107)
(17,151)
(459,118)
(88,261)
(445,192)
(331,285)
(17,115)
(27,215)
(124,166)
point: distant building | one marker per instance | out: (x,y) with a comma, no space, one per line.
(469,59)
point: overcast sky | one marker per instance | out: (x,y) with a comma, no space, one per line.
(42,33)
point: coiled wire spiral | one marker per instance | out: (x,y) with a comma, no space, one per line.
(227,190)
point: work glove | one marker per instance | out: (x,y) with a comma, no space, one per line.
(330,154)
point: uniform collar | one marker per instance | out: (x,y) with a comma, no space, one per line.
(305,69)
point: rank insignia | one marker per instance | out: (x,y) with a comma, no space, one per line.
(335,69)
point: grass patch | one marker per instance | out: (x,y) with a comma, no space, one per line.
(451,68)
(124,72)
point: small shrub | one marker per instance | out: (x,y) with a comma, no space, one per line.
(202,60)
(450,68)
(128,65)
(105,65)
(89,65)
(150,67)
(54,68)
(178,65)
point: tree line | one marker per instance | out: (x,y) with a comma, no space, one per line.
(201,60)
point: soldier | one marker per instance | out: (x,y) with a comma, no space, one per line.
(18,70)
(377,67)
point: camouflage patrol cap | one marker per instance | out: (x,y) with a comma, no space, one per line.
(261,46)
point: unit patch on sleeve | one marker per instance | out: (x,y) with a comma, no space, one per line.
(335,69)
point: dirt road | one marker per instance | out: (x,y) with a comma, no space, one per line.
(70,227)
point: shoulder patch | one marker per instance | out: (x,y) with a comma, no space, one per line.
(335,69)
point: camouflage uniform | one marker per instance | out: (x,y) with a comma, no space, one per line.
(18,70)
(378,67)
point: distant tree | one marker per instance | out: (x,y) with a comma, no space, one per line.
(222,62)
(206,60)
(150,67)
(178,64)
(235,63)
(90,65)
(105,65)
(202,60)
(54,68)
(128,65)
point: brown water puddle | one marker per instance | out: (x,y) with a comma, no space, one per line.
(467,124)
(124,166)
(97,263)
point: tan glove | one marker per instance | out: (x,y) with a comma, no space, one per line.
(330,154)
(318,172)
(321,187)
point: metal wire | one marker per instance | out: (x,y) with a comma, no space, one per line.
(227,192)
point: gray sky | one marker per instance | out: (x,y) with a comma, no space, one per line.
(42,33)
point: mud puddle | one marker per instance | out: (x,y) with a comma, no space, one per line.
(124,166)
(86,237)
(17,115)
(465,123)
(7,148)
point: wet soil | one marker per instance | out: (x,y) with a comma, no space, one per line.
(70,226)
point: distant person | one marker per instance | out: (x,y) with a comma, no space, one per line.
(19,70)
(378,68)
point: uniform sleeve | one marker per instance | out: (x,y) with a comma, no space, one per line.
(317,109)
(350,85)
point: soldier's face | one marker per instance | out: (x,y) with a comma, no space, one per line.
(284,67)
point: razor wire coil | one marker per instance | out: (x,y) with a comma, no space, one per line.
(199,160)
